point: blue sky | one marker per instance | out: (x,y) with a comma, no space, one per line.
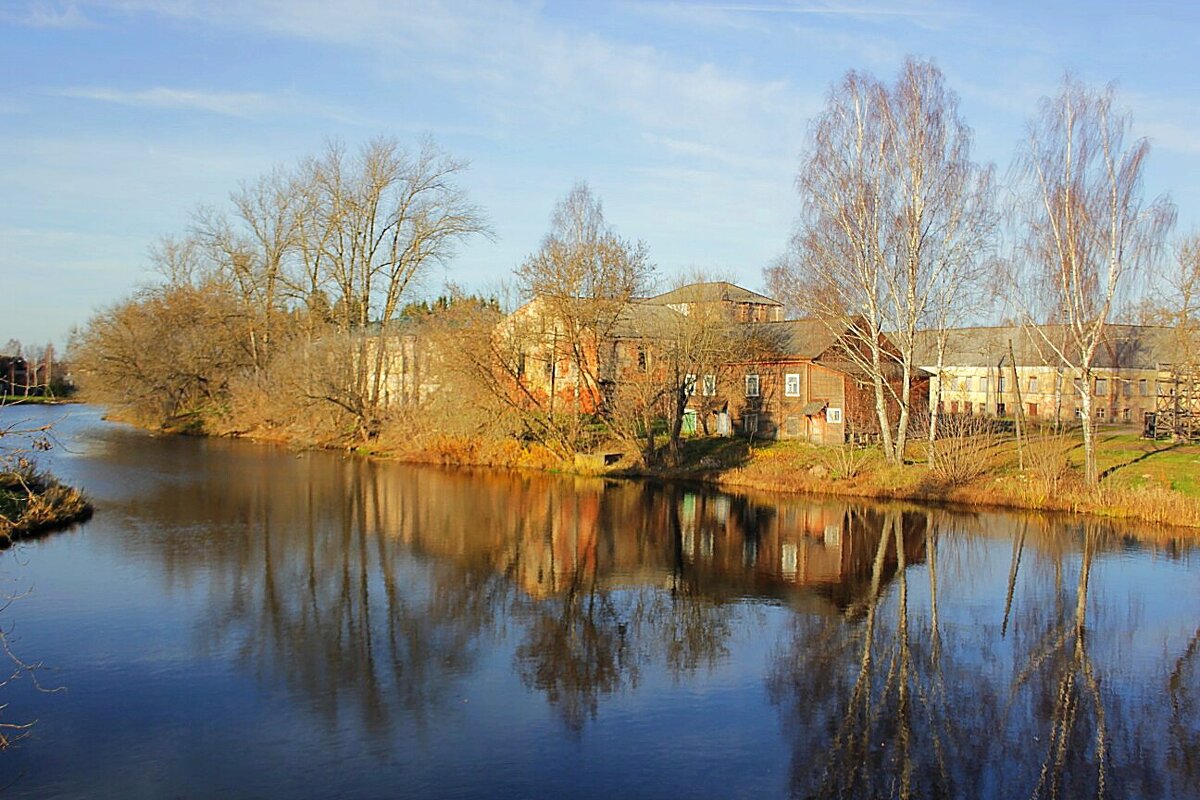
(119,117)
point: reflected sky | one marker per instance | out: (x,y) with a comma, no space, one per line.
(247,620)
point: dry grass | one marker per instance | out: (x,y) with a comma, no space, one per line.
(34,502)
(458,450)
(965,450)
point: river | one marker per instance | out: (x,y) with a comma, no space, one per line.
(242,620)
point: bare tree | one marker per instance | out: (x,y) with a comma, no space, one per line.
(580,281)
(383,217)
(896,220)
(1087,229)
(253,249)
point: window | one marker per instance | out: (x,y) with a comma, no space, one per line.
(791,384)
(710,386)
(969,409)
(1144,387)
(833,416)
(964,385)
(1033,384)
(1000,409)
(1000,384)
(1032,409)
(793,426)
(983,384)
(1101,413)
(749,553)
(751,386)
(750,423)
(689,384)
(641,358)
(788,560)
(1127,388)
(953,406)
(1126,414)
(1101,387)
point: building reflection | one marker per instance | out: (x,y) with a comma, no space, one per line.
(922,653)
(371,588)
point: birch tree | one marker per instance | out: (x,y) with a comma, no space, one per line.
(896,220)
(1088,231)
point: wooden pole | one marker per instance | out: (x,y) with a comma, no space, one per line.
(1019,416)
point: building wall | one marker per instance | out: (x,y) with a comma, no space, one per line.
(1119,395)
(777,414)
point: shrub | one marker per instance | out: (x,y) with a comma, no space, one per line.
(963,450)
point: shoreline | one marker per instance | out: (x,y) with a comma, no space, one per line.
(1156,506)
(37,505)
(794,468)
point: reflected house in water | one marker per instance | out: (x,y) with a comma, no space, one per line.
(815,554)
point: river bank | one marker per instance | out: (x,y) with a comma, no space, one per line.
(1154,482)
(1142,480)
(32,503)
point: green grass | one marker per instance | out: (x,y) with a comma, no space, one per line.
(1136,462)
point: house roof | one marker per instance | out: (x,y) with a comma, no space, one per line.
(644,320)
(796,338)
(1124,346)
(716,291)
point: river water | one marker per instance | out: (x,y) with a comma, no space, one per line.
(240,620)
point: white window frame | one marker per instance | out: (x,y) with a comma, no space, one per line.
(788,380)
(750,423)
(833,415)
(689,384)
(757,382)
(709,386)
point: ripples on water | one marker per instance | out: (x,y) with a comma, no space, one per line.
(246,621)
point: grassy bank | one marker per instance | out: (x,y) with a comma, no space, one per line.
(33,503)
(37,400)
(1156,482)
(1148,481)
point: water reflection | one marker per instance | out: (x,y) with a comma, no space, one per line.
(372,588)
(893,651)
(894,706)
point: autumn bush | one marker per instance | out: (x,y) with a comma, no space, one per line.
(963,451)
(32,501)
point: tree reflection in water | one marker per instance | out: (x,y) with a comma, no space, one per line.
(894,705)
(926,654)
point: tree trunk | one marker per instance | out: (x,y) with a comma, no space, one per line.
(1090,472)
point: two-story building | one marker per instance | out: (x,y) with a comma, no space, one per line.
(990,370)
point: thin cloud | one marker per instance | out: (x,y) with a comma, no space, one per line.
(44,15)
(232,104)
(906,11)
